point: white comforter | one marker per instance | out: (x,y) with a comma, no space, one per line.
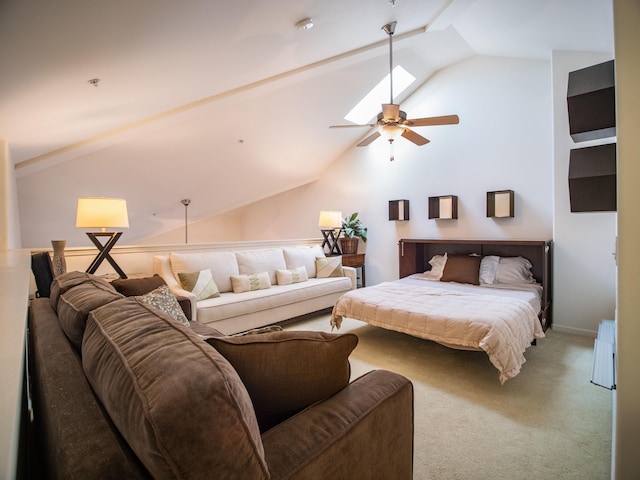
(501,326)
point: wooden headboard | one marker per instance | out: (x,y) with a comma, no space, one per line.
(416,253)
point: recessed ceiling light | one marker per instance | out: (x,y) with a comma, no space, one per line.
(305,24)
(94,81)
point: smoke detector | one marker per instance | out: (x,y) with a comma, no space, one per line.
(305,24)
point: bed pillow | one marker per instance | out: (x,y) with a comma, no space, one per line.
(514,270)
(488,269)
(437,263)
(462,269)
(201,284)
(292,275)
(296,370)
(246,283)
(329,267)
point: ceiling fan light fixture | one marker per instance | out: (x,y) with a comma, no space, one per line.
(390,132)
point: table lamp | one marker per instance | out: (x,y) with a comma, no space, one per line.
(103,213)
(330,224)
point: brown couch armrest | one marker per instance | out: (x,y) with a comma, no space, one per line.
(365,431)
(185,304)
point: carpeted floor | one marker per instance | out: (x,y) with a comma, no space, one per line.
(549,422)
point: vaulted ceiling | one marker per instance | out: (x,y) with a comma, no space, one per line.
(229,102)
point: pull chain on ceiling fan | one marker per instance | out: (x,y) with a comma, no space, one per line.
(392,122)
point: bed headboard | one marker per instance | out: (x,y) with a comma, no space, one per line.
(416,253)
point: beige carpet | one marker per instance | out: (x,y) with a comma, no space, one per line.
(549,422)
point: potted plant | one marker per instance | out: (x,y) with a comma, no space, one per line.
(352,230)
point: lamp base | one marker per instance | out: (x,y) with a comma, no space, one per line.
(331,241)
(104,251)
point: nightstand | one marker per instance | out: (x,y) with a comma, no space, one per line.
(355,260)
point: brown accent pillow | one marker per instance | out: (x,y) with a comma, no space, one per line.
(462,269)
(285,372)
(133,287)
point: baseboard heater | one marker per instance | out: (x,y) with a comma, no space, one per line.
(603,372)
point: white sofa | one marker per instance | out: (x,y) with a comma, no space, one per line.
(237,312)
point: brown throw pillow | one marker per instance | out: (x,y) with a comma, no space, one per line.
(462,269)
(133,287)
(285,372)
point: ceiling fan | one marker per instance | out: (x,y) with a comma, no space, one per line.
(393,122)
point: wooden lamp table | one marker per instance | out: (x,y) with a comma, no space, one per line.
(355,260)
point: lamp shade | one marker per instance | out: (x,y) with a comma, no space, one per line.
(100,212)
(330,219)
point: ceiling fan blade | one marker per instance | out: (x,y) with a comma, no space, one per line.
(425,122)
(414,137)
(391,110)
(352,126)
(369,139)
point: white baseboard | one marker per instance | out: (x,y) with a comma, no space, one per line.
(575,331)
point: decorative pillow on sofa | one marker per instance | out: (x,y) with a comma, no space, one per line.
(263,260)
(462,269)
(200,283)
(221,264)
(246,283)
(297,369)
(296,256)
(165,301)
(329,267)
(293,275)
(133,287)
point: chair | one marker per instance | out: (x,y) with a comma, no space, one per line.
(42,269)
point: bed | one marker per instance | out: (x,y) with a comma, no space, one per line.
(491,295)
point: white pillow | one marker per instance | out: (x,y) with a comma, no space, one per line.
(264,260)
(437,263)
(246,283)
(514,270)
(292,275)
(222,265)
(488,269)
(296,256)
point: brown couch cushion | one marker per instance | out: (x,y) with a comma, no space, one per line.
(76,303)
(285,372)
(132,287)
(68,280)
(179,404)
(462,269)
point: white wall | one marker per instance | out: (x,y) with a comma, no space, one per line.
(584,243)
(9,220)
(503,141)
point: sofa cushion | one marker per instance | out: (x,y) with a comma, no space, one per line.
(296,256)
(177,402)
(68,280)
(329,267)
(165,301)
(201,284)
(76,303)
(263,260)
(292,275)
(251,282)
(222,265)
(296,369)
(132,287)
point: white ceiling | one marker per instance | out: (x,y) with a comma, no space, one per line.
(199,97)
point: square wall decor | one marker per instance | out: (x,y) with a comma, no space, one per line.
(443,207)
(500,204)
(399,210)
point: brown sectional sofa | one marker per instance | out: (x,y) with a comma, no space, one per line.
(145,396)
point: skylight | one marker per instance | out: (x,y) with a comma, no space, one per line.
(369,106)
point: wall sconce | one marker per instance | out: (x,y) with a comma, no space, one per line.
(103,213)
(398,209)
(443,207)
(330,224)
(500,204)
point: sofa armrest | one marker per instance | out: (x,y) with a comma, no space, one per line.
(352,274)
(333,438)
